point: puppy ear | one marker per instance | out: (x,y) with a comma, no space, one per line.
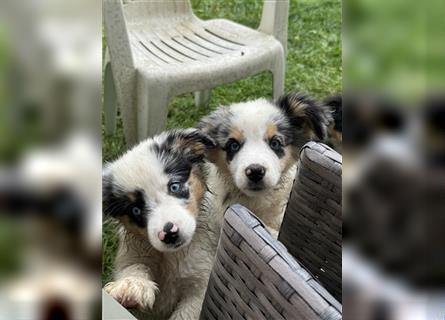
(306,115)
(216,126)
(194,144)
(335,103)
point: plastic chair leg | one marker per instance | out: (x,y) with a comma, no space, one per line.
(202,98)
(152,112)
(278,78)
(110,103)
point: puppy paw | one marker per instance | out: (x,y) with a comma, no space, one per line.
(133,292)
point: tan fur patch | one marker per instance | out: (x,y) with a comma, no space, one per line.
(298,107)
(335,138)
(140,233)
(309,132)
(236,134)
(213,155)
(290,156)
(197,190)
(131,196)
(299,110)
(218,157)
(195,147)
(271,131)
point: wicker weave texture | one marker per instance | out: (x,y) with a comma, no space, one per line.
(255,278)
(312,225)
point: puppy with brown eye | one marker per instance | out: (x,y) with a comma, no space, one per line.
(157,191)
(257,146)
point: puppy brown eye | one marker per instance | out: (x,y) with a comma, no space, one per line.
(275,144)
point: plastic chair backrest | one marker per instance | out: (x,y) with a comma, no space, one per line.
(151,13)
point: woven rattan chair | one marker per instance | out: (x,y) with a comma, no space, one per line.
(254,277)
(312,225)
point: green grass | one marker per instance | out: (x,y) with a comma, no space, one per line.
(313,66)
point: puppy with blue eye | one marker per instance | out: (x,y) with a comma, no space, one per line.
(258,144)
(157,191)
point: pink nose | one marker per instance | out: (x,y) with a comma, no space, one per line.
(162,235)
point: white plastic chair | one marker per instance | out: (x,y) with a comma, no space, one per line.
(160,49)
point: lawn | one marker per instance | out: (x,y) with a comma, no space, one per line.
(313,66)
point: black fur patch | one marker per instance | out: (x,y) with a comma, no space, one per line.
(217,125)
(302,110)
(117,203)
(335,102)
(180,150)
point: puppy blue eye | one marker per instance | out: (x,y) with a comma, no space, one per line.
(175,187)
(234,146)
(275,144)
(136,211)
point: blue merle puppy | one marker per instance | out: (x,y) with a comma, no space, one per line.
(157,192)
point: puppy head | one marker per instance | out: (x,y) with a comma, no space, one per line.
(156,188)
(258,141)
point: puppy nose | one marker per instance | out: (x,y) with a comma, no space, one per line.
(169,233)
(255,172)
